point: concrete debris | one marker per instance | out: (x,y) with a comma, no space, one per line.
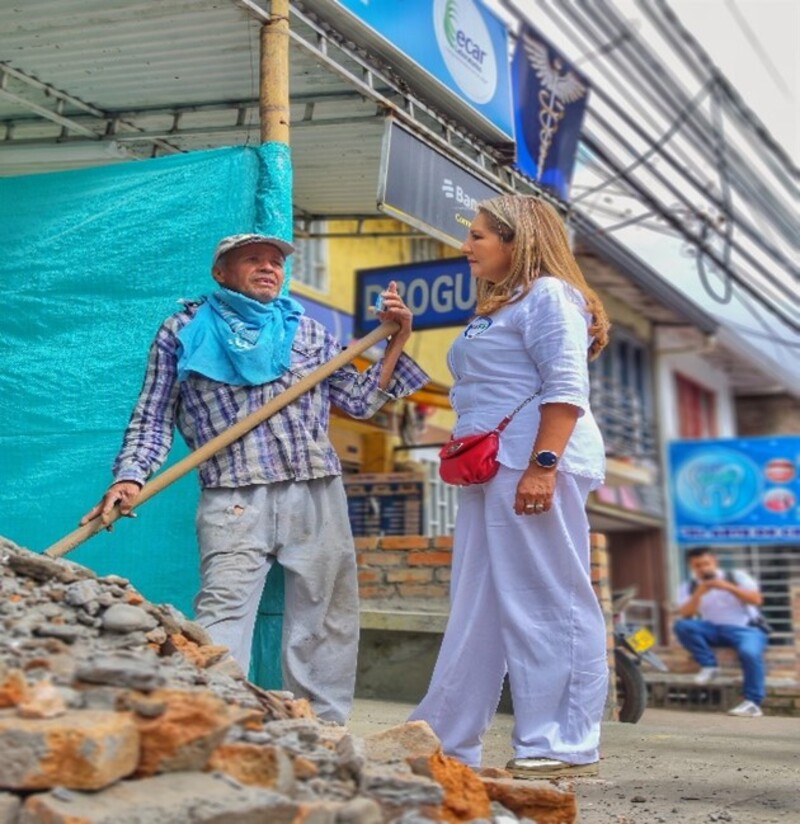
(114,710)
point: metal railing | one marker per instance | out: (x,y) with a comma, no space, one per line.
(440,503)
(627,430)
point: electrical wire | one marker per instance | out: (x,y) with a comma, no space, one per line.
(659,87)
(744,111)
(654,83)
(654,203)
(655,147)
(651,77)
(680,197)
(727,293)
(762,53)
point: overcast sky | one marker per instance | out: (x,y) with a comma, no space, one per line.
(756,44)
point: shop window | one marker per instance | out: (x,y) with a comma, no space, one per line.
(622,397)
(310,260)
(697,409)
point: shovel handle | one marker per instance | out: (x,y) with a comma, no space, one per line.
(242,427)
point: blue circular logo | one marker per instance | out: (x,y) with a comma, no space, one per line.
(477,327)
(717,486)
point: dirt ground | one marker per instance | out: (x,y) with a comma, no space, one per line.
(672,766)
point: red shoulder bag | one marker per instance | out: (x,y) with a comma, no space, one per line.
(473,459)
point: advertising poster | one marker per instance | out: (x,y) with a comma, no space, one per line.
(736,490)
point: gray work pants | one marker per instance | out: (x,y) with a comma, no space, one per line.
(305,526)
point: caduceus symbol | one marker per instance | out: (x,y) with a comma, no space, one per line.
(558,89)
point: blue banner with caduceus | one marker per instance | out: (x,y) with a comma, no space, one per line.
(549,104)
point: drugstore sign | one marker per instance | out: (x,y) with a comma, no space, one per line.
(439,293)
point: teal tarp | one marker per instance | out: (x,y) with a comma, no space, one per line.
(92,262)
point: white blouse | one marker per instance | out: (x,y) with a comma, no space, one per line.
(541,342)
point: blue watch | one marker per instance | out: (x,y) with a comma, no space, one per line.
(545,458)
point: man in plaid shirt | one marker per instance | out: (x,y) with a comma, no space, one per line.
(277,491)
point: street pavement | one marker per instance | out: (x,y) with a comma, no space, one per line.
(672,766)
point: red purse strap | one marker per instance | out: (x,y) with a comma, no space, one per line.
(508,418)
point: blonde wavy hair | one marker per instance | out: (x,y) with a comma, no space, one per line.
(541,247)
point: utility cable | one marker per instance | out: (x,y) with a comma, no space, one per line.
(658,86)
(762,53)
(704,138)
(654,203)
(681,198)
(685,38)
(719,149)
(655,147)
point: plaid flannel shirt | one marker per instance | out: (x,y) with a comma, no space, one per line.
(291,445)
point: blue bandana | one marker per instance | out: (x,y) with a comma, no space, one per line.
(236,340)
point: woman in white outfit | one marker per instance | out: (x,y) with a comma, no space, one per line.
(521,595)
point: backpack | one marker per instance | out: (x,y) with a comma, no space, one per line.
(758,620)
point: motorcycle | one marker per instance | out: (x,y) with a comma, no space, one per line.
(632,645)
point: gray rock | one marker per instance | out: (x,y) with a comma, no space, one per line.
(68,633)
(197,633)
(87,617)
(138,672)
(9,808)
(360,811)
(125,641)
(102,698)
(352,755)
(82,592)
(117,580)
(127,618)
(177,798)
(41,568)
(390,786)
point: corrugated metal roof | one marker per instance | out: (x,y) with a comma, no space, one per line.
(144,60)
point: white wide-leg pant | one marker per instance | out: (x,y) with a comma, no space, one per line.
(521,602)
(305,526)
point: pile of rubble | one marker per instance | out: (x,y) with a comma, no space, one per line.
(114,710)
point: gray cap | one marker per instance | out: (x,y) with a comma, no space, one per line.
(235,241)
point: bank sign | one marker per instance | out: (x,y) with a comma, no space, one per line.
(458,44)
(736,490)
(425,189)
(439,293)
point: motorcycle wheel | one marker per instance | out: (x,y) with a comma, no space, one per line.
(631,689)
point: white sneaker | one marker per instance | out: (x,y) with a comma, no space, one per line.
(747,709)
(706,675)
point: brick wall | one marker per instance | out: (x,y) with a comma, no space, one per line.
(405,568)
(768,415)
(602,587)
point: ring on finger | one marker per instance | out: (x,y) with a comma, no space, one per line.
(530,507)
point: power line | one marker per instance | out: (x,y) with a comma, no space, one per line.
(686,40)
(758,48)
(654,84)
(655,147)
(719,149)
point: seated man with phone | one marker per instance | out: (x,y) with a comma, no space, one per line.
(721,609)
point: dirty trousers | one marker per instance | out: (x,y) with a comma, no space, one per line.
(305,526)
(521,602)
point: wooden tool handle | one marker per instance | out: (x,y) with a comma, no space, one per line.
(203,453)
